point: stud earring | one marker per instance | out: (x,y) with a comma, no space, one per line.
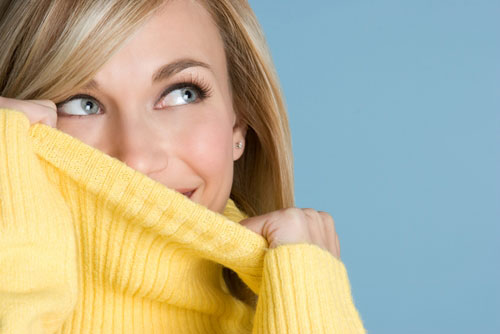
(239,144)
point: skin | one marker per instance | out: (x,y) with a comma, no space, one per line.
(181,143)
(182,146)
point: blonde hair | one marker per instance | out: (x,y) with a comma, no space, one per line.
(51,47)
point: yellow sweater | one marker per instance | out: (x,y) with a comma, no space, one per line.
(89,245)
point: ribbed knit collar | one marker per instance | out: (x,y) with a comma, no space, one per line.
(151,206)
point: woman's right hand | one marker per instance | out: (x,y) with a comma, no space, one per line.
(37,111)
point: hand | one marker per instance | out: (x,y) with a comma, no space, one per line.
(37,111)
(295,225)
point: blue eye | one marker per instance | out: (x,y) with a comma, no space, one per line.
(190,91)
(187,95)
(79,106)
(180,96)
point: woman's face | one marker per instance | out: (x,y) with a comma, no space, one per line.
(162,104)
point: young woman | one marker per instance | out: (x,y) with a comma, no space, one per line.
(184,92)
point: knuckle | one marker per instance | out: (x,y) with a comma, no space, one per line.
(292,216)
(314,215)
(50,104)
(327,217)
(310,211)
(292,211)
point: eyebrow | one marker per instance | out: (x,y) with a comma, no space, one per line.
(164,72)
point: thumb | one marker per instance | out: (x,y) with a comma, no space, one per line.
(50,112)
(255,224)
(262,225)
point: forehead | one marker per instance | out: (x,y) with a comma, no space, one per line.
(179,29)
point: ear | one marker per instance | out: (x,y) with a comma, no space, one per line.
(239,133)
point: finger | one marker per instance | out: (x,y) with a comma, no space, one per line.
(45,103)
(338,245)
(330,232)
(275,243)
(49,112)
(255,224)
(37,111)
(316,228)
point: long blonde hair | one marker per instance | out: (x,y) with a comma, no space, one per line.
(50,47)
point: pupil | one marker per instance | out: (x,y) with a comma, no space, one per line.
(88,106)
(187,94)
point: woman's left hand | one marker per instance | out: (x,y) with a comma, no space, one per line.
(296,225)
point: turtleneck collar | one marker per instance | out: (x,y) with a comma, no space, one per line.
(149,205)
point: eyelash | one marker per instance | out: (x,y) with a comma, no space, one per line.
(202,88)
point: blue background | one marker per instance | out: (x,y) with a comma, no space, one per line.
(395,115)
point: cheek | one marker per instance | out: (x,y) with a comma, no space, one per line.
(210,148)
(86,130)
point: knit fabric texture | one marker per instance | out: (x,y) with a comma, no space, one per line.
(90,245)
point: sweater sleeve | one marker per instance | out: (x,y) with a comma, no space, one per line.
(38,275)
(305,289)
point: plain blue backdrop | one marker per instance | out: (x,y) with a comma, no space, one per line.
(395,115)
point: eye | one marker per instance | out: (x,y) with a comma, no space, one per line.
(79,106)
(180,96)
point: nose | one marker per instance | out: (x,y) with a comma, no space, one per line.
(136,141)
